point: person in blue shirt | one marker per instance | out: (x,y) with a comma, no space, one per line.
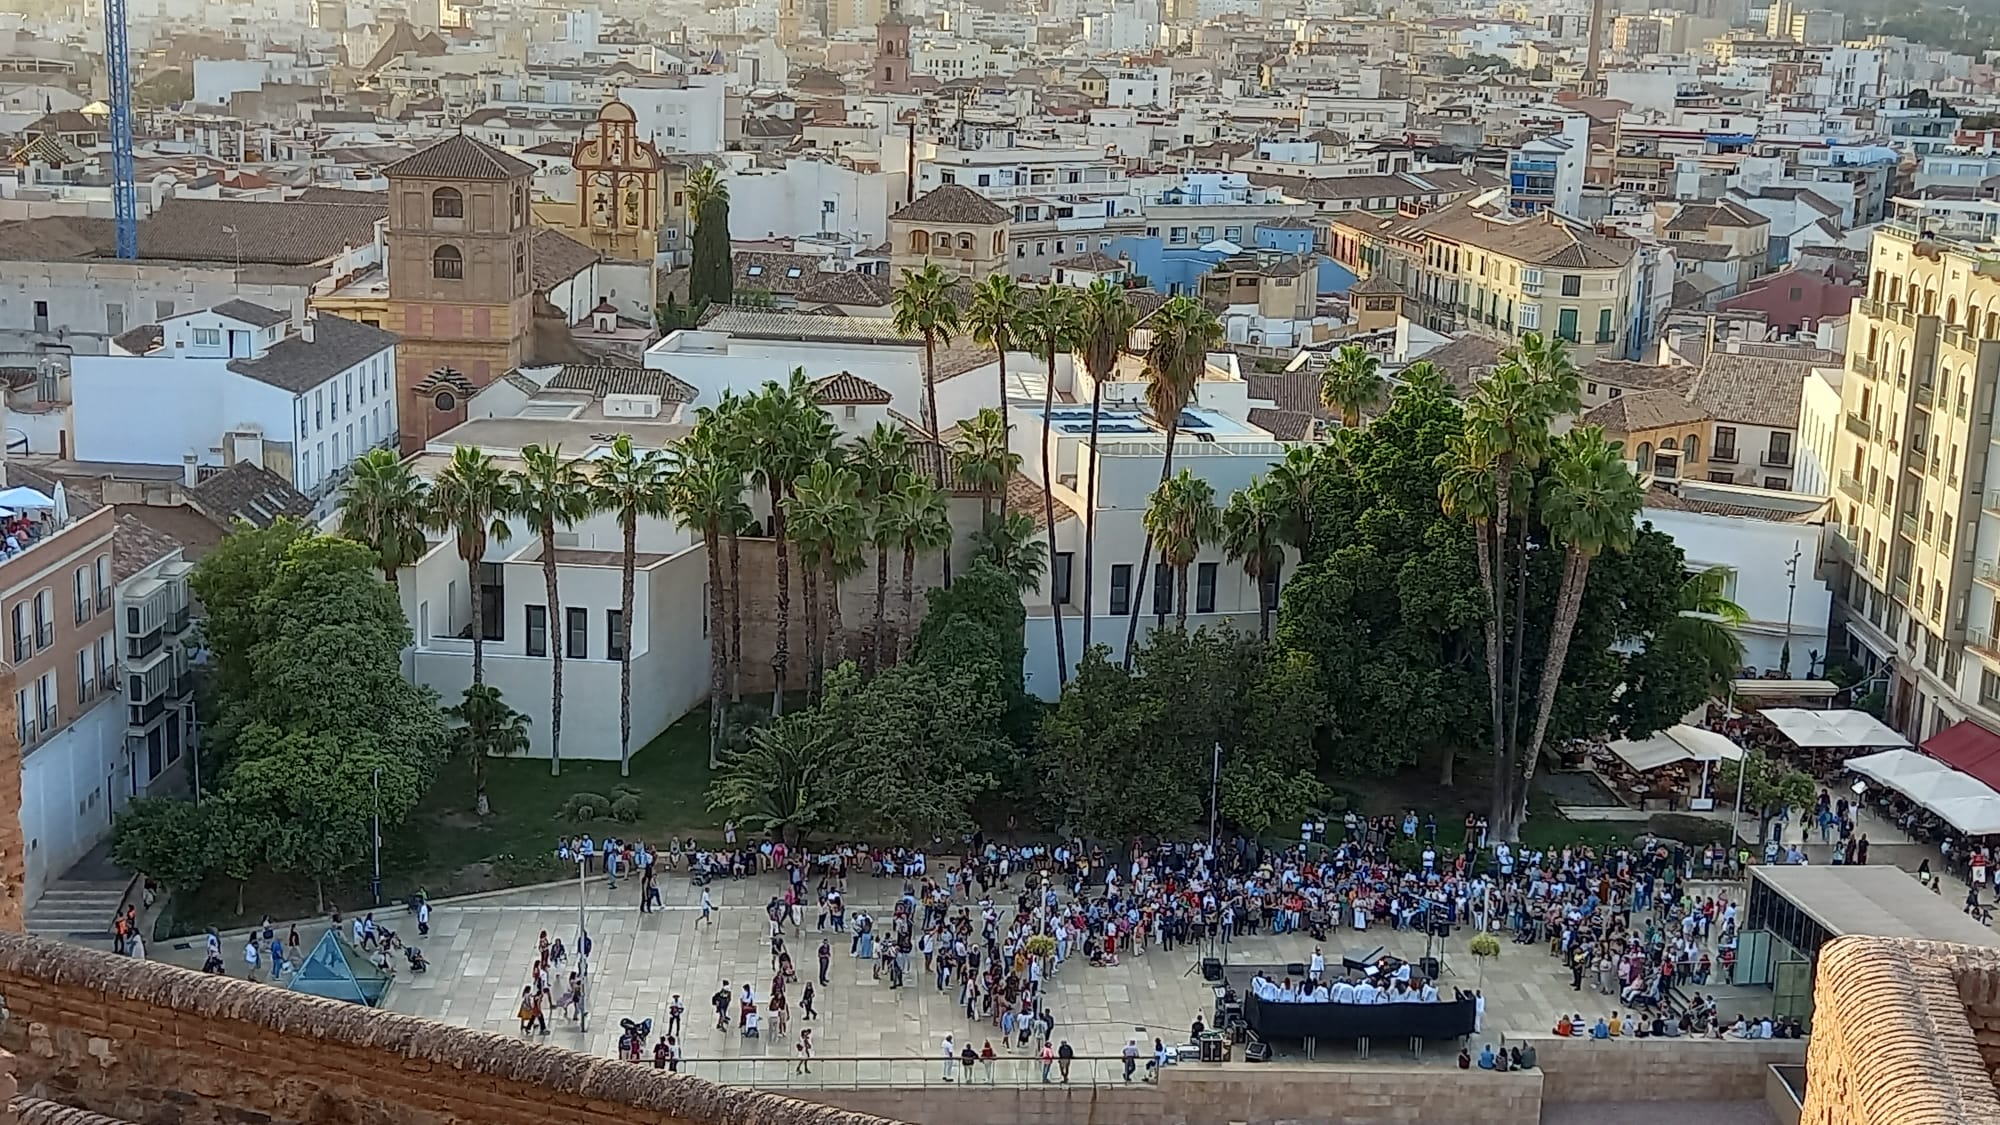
(1486,1057)
(1600,1029)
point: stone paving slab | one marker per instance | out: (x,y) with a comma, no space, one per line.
(481,951)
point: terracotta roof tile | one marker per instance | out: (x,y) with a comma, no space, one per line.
(845,388)
(954,203)
(459,157)
(604,379)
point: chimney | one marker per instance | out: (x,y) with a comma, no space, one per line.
(190,471)
(308,324)
(1734,346)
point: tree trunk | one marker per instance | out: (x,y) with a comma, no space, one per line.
(781,652)
(735,623)
(1090,515)
(631,522)
(1520,644)
(1146,552)
(881,603)
(1576,570)
(1263,610)
(931,420)
(809,585)
(1496,671)
(1049,517)
(904,636)
(1450,756)
(555,648)
(718,656)
(836,624)
(1002,407)
(1180,598)
(1350,417)
(478,622)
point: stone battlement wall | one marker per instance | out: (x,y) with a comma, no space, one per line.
(128,1038)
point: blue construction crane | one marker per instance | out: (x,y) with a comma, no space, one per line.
(124,180)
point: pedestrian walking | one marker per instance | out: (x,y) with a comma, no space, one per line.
(805,1049)
(806,1002)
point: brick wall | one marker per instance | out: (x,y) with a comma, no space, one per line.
(1654,1070)
(149,1042)
(1325,1094)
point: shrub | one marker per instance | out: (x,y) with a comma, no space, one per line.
(1041,945)
(586,806)
(626,808)
(1485,945)
(1697,831)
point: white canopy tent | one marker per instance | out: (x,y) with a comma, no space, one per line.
(1813,730)
(1961,800)
(1678,743)
(25,498)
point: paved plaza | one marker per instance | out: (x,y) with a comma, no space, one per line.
(481,950)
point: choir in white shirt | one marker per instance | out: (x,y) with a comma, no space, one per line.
(1396,990)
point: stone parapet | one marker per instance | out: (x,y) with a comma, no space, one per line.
(1646,1070)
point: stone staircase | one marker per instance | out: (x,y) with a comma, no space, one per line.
(79,910)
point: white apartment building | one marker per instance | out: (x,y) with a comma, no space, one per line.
(1127,26)
(1066,200)
(1769,543)
(678,112)
(239,382)
(1140,86)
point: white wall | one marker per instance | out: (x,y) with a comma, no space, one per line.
(1759,551)
(70,787)
(791,201)
(215,80)
(151,410)
(679,119)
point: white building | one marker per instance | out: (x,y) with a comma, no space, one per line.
(1141,86)
(813,197)
(1819,418)
(1127,26)
(679,112)
(237,383)
(1769,543)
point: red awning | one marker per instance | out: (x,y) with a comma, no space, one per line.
(1968,748)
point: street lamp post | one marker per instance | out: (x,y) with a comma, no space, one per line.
(582,953)
(1791,595)
(375,886)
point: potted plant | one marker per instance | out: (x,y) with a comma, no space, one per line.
(1042,947)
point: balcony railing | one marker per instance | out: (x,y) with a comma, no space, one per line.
(1869,306)
(1862,365)
(1992,501)
(1724,454)
(1981,642)
(1987,570)
(1780,459)
(1957,336)
(1859,427)
(1907,524)
(1852,487)
(1925,392)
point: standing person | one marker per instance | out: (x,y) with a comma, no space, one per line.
(825,960)
(1065,1055)
(1048,1053)
(675,1009)
(720,1002)
(250,957)
(805,1050)
(707,909)
(950,1056)
(806,1002)
(1131,1056)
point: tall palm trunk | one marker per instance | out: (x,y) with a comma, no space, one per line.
(1263,611)
(931,420)
(835,650)
(1520,645)
(735,622)
(1001,405)
(1146,553)
(1496,673)
(1090,514)
(1049,519)
(903,633)
(809,583)
(718,649)
(478,621)
(1576,570)
(631,529)
(1180,598)
(555,648)
(781,651)
(881,602)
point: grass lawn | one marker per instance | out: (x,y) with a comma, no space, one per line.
(447,849)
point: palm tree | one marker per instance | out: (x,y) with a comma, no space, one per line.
(1009,543)
(1293,479)
(882,459)
(1253,534)
(545,491)
(1105,319)
(1050,325)
(706,493)
(923,307)
(485,727)
(1182,516)
(720,435)
(1423,378)
(629,485)
(382,507)
(1351,384)
(1590,507)
(982,462)
(466,500)
(994,317)
(1707,624)
(784,433)
(1466,491)
(921,515)
(1184,332)
(824,514)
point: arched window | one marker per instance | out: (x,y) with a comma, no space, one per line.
(446,203)
(1692,445)
(1951,311)
(1930,302)
(1669,443)
(1992,324)
(445,401)
(1644,457)
(920,242)
(941,241)
(447,263)
(965,242)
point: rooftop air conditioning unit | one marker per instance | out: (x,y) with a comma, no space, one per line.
(631,406)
